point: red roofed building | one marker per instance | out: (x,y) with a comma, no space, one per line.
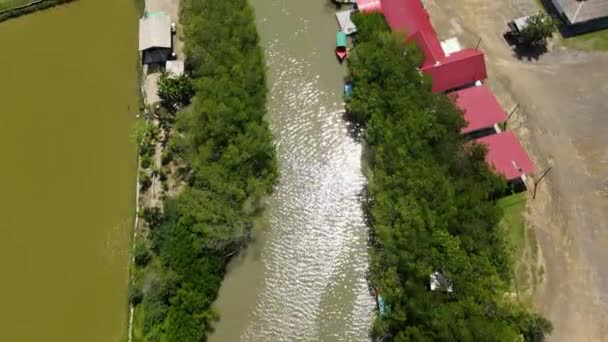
(507,156)
(480,107)
(447,72)
(409,17)
(456,70)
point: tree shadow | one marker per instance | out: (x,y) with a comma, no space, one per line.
(355,129)
(529,52)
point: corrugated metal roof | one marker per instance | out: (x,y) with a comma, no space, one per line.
(447,72)
(458,69)
(154,32)
(409,16)
(366,6)
(580,11)
(507,156)
(480,108)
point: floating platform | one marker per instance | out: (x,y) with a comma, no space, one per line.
(346,24)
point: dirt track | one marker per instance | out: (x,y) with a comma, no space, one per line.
(563,121)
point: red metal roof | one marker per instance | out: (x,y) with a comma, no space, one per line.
(410,17)
(458,69)
(366,6)
(480,108)
(447,72)
(506,155)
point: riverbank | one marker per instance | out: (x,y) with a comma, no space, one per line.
(211,164)
(15,8)
(440,258)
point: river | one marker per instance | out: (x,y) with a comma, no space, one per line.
(69,98)
(304,276)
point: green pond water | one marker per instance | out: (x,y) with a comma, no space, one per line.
(68,95)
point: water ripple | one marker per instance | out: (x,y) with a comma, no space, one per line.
(315,257)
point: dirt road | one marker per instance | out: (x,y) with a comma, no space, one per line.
(563,121)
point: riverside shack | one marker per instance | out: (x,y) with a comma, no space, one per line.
(155,38)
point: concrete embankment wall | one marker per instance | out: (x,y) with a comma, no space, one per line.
(30,8)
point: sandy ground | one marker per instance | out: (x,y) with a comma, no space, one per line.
(153,197)
(563,121)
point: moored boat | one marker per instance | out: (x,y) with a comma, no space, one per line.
(348,90)
(341,45)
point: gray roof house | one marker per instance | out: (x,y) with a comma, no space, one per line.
(155,42)
(582,16)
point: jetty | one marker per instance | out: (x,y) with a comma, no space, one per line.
(346,24)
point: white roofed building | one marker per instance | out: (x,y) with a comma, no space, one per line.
(155,38)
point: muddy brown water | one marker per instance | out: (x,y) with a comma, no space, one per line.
(304,278)
(69,97)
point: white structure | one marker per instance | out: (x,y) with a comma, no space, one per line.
(175,67)
(440,282)
(155,41)
(451,46)
(346,24)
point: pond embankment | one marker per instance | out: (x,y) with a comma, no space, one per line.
(22,8)
(69,100)
(205,170)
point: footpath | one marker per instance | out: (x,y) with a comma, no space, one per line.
(152,195)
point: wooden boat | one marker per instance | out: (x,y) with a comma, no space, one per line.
(341,45)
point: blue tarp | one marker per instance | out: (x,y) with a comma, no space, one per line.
(348,90)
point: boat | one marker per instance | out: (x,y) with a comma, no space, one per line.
(341,45)
(348,90)
(382,307)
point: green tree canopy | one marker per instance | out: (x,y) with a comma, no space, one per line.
(174,91)
(538,29)
(431,204)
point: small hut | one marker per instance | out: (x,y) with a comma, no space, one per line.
(155,43)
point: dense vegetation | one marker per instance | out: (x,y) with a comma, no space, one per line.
(431,205)
(174,91)
(540,27)
(223,149)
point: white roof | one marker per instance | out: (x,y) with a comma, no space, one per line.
(175,67)
(450,46)
(154,31)
(521,23)
(346,24)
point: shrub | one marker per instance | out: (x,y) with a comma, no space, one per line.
(146,161)
(174,91)
(144,181)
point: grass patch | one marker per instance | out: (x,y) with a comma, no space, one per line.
(513,220)
(528,273)
(8,4)
(596,41)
